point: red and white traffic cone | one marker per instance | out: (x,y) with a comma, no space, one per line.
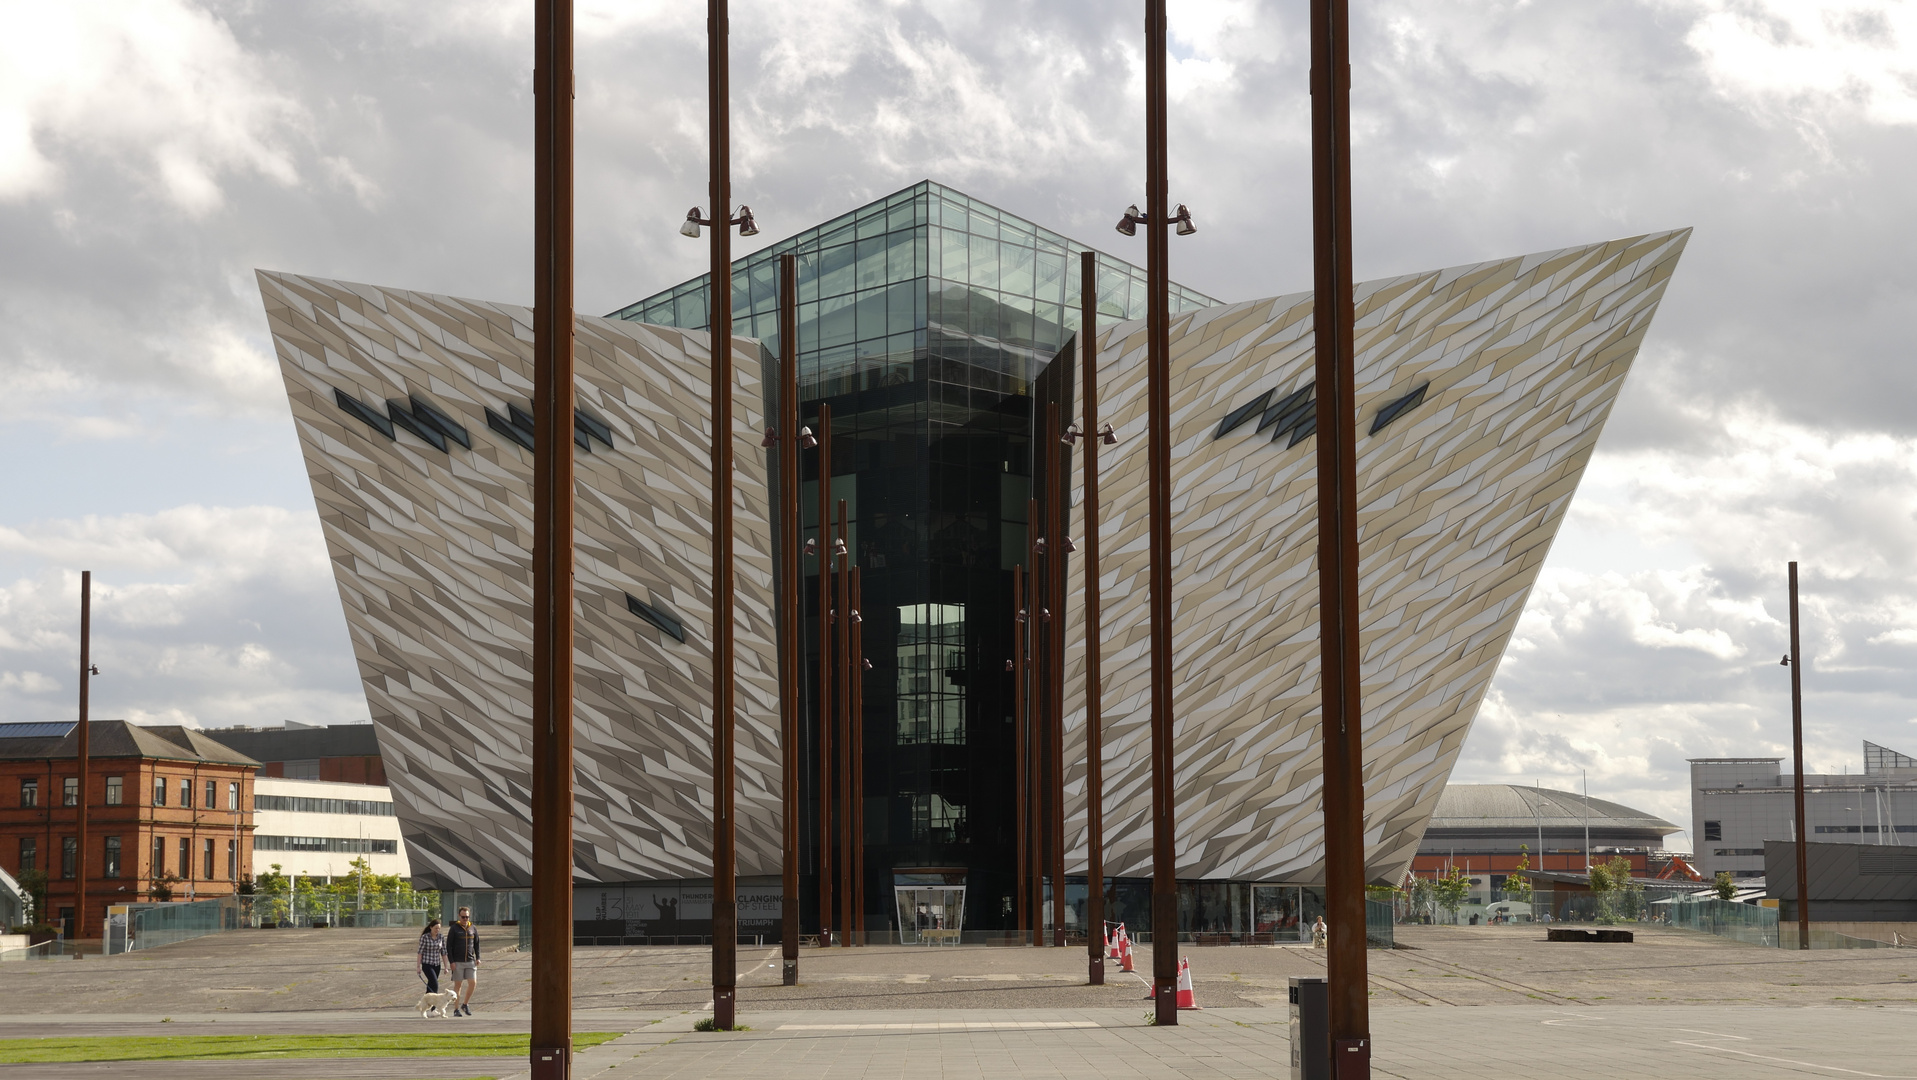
(1187,998)
(1113,940)
(1106,930)
(1124,950)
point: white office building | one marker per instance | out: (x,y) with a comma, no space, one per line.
(315,829)
(1739,803)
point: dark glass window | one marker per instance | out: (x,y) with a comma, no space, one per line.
(115,790)
(159,791)
(69,851)
(402,417)
(301,805)
(362,412)
(186,858)
(656,616)
(112,864)
(212,795)
(1241,414)
(206,851)
(69,791)
(159,857)
(1398,408)
(1713,830)
(29,853)
(326,843)
(232,861)
(186,794)
(30,792)
(431,415)
(233,795)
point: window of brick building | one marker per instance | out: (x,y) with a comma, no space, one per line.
(69,791)
(186,794)
(212,795)
(207,863)
(69,848)
(232,861)
(159,856)
(159,791)
(112,857)
(186,858)
(30,792)
(116,790)
(29,854)
(233,795)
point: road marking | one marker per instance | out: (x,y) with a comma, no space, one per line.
(945,1025)
(1717,1034)
(1794,1061)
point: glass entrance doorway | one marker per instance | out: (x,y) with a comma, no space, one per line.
(931,907)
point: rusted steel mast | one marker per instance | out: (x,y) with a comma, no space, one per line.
(1021,758)
(1057,524)
(1797,765)
(845,729)
(83,749)
(1094,679)
(551,1044)
(825,713)
(1338,607)
(793,622)
(1158,519)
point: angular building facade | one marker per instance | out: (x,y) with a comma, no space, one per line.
(931,323)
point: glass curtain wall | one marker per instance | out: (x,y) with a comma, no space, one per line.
(924,319)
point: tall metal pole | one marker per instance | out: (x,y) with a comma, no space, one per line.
(725,865)
(789,699)
(1094,677)
(1797,767)
(551,1045)
(1038,701)
(1058,517)
(1158,517)
(83,749)
(855,811)
(825,713)
(1344,795)
(1021,758)
(845,731)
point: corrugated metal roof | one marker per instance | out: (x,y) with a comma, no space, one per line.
(1516,806)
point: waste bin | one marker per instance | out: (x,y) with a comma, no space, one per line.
(1310,1029)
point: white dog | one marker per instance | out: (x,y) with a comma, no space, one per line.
(431,1005)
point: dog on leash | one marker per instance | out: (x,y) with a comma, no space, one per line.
(439,1004)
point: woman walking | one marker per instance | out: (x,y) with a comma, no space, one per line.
(432,953)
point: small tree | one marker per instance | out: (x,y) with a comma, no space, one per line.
(1518,885)
(34,884)
(1724,886)
(1423,896)
(1619,898)
(161,887)
(1451,889)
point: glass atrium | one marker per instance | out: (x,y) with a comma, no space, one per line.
(924,320)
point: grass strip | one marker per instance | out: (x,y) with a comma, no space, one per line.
(264,1047)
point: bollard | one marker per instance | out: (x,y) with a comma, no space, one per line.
(1310,1029)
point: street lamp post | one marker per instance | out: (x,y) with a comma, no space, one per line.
(1035,613)
(83,750)
(1094,679)
(1057,525)
(551,1042)
(824,715)
(1338,607)
(1021,758)
(845,727)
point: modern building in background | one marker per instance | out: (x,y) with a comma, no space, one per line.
(1482,392)
(170,816)
(316,829)
(1738,804)
(1859,889)
(337,753)
(1485,830)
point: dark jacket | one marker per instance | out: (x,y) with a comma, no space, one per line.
(462,944)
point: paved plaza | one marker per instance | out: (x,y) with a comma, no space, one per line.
(1458,1001)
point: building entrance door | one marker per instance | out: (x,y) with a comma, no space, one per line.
(930,914)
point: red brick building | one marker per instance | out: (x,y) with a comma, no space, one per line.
(162,802)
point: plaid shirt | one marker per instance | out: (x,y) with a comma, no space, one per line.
(432,949)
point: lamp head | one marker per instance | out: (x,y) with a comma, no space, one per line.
(1069,546)
(1129,223)
(1021,616)
(1183,218)
(856,620)
(747,227)
(806,439)
(691,225)
(1108,436)
(838,546)
(866,663)
(1009,666)
(812,546)
(1786,662)
(771,437)
(1044,614)
(1038,545)
(1070,436)
(93,669)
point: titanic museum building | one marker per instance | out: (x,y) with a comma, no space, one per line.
(936,328)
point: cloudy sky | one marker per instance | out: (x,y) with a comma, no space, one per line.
(152,154)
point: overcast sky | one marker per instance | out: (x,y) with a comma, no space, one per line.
(153,154)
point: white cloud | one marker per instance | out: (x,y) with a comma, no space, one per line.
(1812,59)
(162,90)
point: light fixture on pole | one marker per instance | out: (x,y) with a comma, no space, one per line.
(695,218)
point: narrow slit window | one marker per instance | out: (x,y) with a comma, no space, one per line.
(1242,413)
(363,412)
(521,435)
(657,617)
(1398,408)
(431,415)
(401,416)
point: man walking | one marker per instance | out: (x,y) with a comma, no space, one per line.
(462,956)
